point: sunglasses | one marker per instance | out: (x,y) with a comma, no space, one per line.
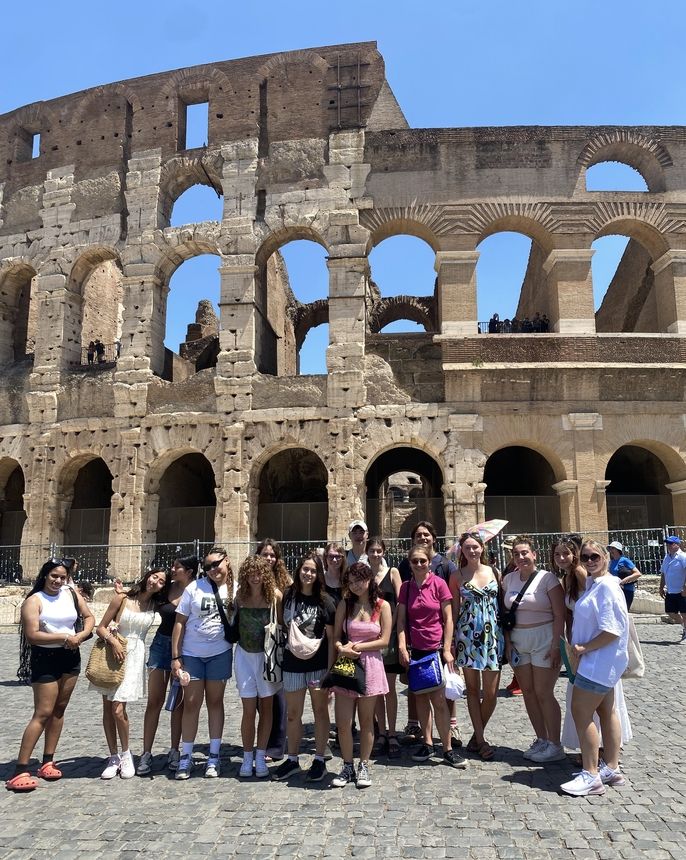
(333,557)
(67,563)
(594,556)
(421,561)
(211,566)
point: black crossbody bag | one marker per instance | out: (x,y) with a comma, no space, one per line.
(508,617)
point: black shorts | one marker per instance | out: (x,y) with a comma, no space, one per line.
(675,603)
(49,664)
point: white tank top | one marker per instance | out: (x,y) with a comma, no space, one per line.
(57,614)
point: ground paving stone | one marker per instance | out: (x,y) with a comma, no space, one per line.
(500,810)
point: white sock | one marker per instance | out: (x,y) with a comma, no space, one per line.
(260,755)
(215,747)
(125,754)
(187,748)
(247,756)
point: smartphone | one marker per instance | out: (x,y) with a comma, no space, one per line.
(515,659)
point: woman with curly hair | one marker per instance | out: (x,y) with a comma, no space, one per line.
(199,648)
(133,613)
(256,599)
(48,616)
(478,636)
(361,629)
(270,551)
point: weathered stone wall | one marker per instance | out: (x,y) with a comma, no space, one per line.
(87,222)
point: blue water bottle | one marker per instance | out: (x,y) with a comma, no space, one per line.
(173,696)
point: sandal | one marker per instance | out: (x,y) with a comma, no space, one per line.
(380,746)
(393,747)
(21,782)
(49,771)
(472,745)
(486,751)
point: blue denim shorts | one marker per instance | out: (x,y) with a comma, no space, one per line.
(592,687)
(217,668)
(160,653)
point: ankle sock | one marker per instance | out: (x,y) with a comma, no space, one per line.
(247,756)
(187,748)
(215,747)
(260,755)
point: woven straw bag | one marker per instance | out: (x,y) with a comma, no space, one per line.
(102,669)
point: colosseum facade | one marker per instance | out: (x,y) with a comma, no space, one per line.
(312,144)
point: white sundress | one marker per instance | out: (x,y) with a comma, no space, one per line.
(134,627)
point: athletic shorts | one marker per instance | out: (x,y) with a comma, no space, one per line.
(533,643)
(49,664)
(675,603)
(249,670)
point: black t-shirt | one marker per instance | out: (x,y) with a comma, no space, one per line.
(167,613)
(312,616)
(334,592)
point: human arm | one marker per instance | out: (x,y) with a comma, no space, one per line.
(178,632)
(30,619)
(448,628)
(600,640)
(342,649)
(454,586)
(278,597)
(556,596)
(103,629)
(385,623)
(401,625)
(631,571)
(88,623)
(396,582)
(662,583)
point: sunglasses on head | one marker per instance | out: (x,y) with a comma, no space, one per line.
(211,566)
(594,556)
(67,563)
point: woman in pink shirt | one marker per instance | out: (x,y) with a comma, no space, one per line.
(425,626)
(533,646)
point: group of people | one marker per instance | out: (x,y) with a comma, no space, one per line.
(348,607)
(95,348)
(538,324)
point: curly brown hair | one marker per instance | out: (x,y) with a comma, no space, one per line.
(281,575)
(256,564)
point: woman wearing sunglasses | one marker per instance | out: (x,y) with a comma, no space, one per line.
(335,565)
(600,636)
(199,647)
(532,647)
(48,616)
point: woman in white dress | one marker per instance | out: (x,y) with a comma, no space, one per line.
(134,612)
(565,560)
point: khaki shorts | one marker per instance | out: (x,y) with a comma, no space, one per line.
(533,644)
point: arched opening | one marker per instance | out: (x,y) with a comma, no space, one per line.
(12,519)
(293,498)
(614,176)
(87,520)
(519,488)
(18,307)
(187,501)
(402,266)
(292,299)
(192,317)
(637,497)
(102,313)
(198,203)
(404,486)
(511,282)
(624,290)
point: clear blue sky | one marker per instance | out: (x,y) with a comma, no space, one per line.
(450,63)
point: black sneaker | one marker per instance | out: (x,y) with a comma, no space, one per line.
(286,769)
(424,753)
(454,759)
(317,771)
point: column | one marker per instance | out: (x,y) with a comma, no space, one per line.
(457,306)
(678,491)
(346,490)
(143,328)
(569,290)
(567,492)
(581,508)
(601,500)
(670,291)
(128,499)
(348,275)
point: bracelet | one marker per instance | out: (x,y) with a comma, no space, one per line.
(176,658)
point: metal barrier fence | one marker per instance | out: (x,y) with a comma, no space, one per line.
(98,563)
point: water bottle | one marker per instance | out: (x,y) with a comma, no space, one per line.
(173,696)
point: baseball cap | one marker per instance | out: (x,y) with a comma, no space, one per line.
(357,524)
(616,545)
(672,539)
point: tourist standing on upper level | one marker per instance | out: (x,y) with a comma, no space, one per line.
(358,534)
(624,569)
(48,616)
(673,583)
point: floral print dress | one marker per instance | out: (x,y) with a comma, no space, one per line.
(479,638)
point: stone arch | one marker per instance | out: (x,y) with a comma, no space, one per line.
(12,511)
(98,94)
(96,276)
(292,233)
(194,81)
(421,310)
(186,499)
(529,501)
(31,119)
(180,247)
(647,155)
(421,221)
(385,513)
(280,61)
(83,500)
(514,222)
(306,317)
(180,173)
(636,222)
(17,310)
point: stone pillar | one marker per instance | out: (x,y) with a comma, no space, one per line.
(463,463)
(238,360)
(570,290)
(678,491)
(348,274)
(58,335)
(581,507)
(457,306)
(670,291)
(567,494)
(346,488)
(601,501)
(231,517)
(125,535)
(143,328)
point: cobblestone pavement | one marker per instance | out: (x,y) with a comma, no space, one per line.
(505,809)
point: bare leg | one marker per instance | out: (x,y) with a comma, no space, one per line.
(544,689)
(472,679)
(248,723)
(264,725)
(320,708)
(109,725)
(611,728)
(121,719)
(214,697)
(365,712)
(192,702)
(524,675)
(44,698)
(295,703)
(442,717)
(584,704)
(392,703)
(53,728)
(345,707)
(157,685)
(490,682)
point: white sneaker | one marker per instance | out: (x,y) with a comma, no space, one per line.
(184,767)
(111,768)
(246,769)
(127,768)
(144,764)
(611,777)
(585,783)
(535,747)
(549,752)
(173,759)
(682,641)
(364,780)
(212,768)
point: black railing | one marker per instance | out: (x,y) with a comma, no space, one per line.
(106,354)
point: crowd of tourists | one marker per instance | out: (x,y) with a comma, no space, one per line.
(344,628)
(537,324)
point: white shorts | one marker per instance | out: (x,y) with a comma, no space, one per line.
(248,669)
(533,643)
